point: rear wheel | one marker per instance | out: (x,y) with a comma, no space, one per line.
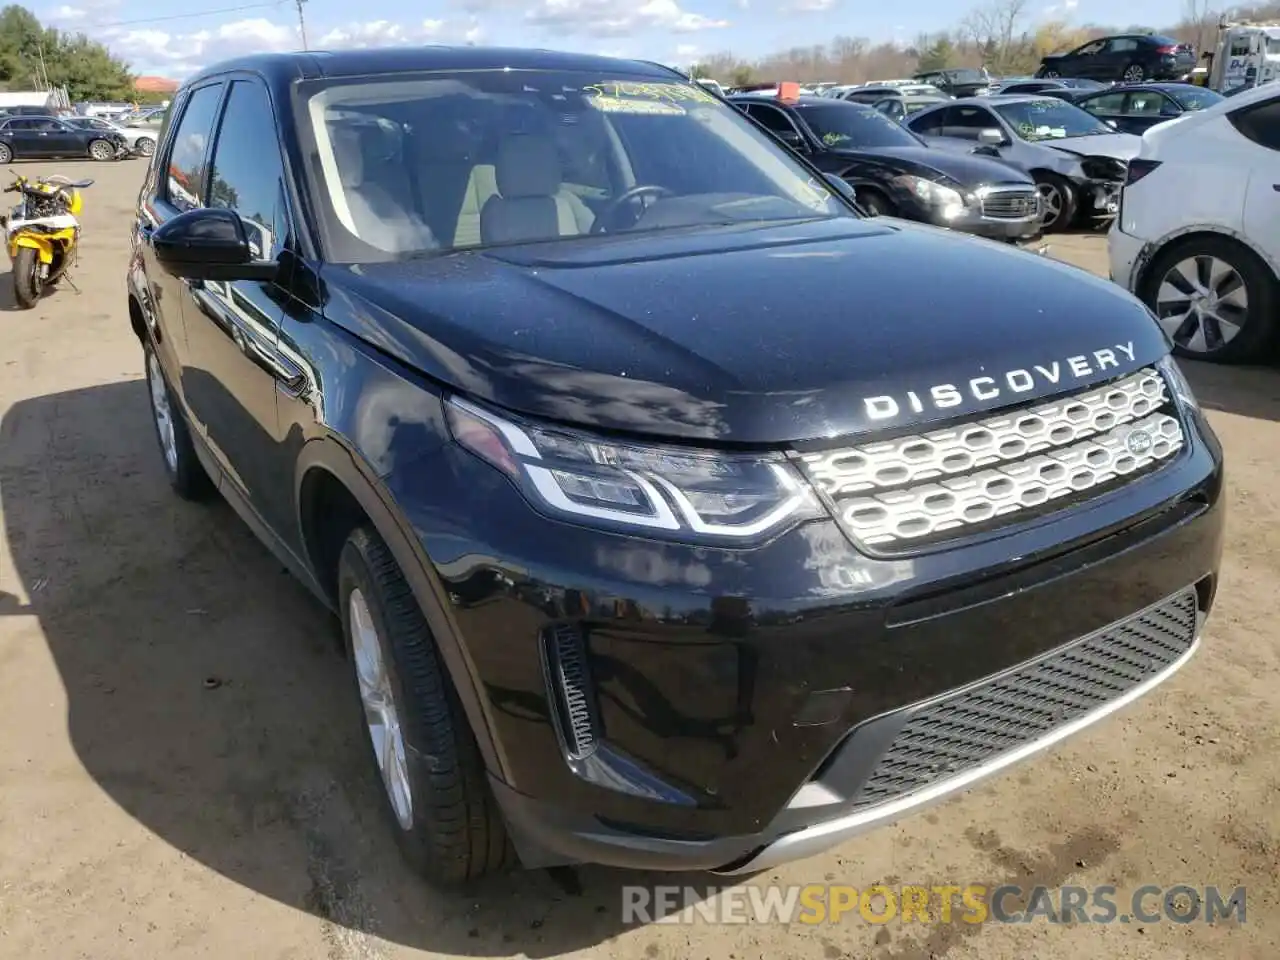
(6,154)
(145,146)
(1215,298)
(185,472)
(26,278)
(101,150)
(437,795)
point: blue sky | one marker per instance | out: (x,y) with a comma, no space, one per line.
(155,39)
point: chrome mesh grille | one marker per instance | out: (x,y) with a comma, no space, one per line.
(1011,204)
(918,489)
(976,725)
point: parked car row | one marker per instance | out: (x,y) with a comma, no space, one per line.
(47,137)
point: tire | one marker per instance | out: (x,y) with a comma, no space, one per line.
(450,829)
(876,204)
(26,282)
(186,473)
(144,146)
(1059,200)
(1134,73)
(1249,292)
(6,154)
(101,150)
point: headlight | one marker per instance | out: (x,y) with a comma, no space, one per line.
(684,494)
(951,202)
(1178,385)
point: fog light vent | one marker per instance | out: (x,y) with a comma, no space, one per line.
(572,694)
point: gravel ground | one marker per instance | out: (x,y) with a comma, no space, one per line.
(174,782)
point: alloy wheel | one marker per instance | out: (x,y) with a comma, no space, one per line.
(101,150)
(162,413)
(382,717)
(146,147)
(1133,73)
(1202,303)
(1051,74)
(1051,202)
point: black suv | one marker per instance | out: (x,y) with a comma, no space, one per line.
(675,515)
(1130,57)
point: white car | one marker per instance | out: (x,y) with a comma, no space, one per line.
(141,140)
(1198,235)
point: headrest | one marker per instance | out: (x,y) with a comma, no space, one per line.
(348,151)
(527,166)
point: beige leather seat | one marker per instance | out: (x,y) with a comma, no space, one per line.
(378,198)
(531,203)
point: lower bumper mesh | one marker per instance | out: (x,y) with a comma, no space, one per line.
(947,737)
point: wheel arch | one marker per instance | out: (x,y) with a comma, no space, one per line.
(333,494)
(1150,251)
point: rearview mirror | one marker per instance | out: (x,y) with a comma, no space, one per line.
(209,243)
(991,137)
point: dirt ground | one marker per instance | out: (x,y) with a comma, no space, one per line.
(180,775)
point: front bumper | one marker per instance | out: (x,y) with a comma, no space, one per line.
(739,695)
(989,217)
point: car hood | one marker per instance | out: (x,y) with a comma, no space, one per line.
(1119,146)
(759,334)
(965,169)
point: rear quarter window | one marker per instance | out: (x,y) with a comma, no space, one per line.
(1259,123)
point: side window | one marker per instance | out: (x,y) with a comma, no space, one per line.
(185,183)
(930,124)
(1089,49)
(968,122)
(1107,103)
(1145,104)
(771,118)
(1260,123)
(248,170)
(1122,45)
(1239,47)
(18,124)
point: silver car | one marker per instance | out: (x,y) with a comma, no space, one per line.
(140,140)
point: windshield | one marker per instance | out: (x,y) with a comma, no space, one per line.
(1050,120)
(412,164)
(1197,98)
(849,125)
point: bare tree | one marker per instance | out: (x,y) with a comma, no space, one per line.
(998,31)
(1199,24)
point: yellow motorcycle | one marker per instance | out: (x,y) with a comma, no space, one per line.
(42,233)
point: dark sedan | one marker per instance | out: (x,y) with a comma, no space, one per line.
(1136,109)
(1130,57)
(30,138)
(1064,88)
(894,173)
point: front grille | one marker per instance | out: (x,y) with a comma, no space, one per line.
(948,737)
(922,489)
(1011,204)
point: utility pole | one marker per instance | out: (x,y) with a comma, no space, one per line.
(302,23)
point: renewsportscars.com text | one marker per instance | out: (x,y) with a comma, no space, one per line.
(972,903)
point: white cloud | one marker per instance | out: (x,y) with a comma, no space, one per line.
(68,13)
(686,50)
(811,6)
(601,18)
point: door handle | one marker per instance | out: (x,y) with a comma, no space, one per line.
(291,379)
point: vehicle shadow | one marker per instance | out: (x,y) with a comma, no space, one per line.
(207,698)
(1247,391)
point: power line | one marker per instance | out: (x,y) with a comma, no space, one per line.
(184,16)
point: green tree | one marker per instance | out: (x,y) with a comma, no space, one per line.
(939,56)
(33,56)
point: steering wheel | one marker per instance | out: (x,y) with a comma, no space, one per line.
(607,215)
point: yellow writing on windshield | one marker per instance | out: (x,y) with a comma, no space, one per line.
(657,92)
(619,105)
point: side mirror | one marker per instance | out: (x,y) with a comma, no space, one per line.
(209,243)
(1111,124)
(991,137)
(842,187)
(792,139)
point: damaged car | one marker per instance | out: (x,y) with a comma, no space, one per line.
(1077,161)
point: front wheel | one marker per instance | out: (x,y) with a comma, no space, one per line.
(1215,299)
(436,793)
(102,150)
(1050,74)
(182,466)
(1058,201)
(1134,73)
(27,284)
(875,203)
